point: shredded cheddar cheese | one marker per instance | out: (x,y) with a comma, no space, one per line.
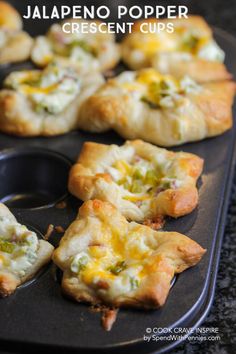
(183,39)
(157,90)
(50,90)
(116,266)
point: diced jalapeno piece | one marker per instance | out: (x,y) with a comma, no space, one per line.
(151,177)
(6,246)
(191,42)
(83,45)
(134,283)
(126,185)
(135,187)
(39,108)
(166,184)
(19,253)
(151,104)
(120,181)
(117,268)
(164,85)
(137,174)
(154,87)
(82,263)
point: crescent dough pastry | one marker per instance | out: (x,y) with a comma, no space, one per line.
(159,108)
(44,102)
(106,259)
(15,45)
(141,180)
(21,253)
(9,17)
(84,51)
(189,50)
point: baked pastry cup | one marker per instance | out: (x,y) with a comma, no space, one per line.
(84,51)
(143,181)
(107,260)
(44,102)
(159,108)
(15,44)
(9,17)
(22,254)
(189,50)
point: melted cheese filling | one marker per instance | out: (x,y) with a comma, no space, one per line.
(152,43)
(18,247)
(182,40)
(79,49)
(75,46)
(141,180)
(157,90)
(116,265)
(50,90)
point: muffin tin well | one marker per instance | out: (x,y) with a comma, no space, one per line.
(32,178)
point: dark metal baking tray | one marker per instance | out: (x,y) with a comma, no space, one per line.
(38,315)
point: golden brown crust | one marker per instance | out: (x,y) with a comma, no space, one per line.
(17,44)
(17,48)
(177,203)
(107,50)
(171,253)
(11,279)
(203,114)
(216,106)
(85,182)
(8,283)
(97,113)
(18,117)
(9,17)
(198,69)
(172,62)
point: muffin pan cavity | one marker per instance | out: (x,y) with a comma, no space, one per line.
(32,178)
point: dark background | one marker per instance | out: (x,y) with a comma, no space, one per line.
(223,312)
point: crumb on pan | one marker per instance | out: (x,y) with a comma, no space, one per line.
(59,229)
(49,232)
(61,205)
(109,315)
(155,224)
(97,308)
(108,318)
